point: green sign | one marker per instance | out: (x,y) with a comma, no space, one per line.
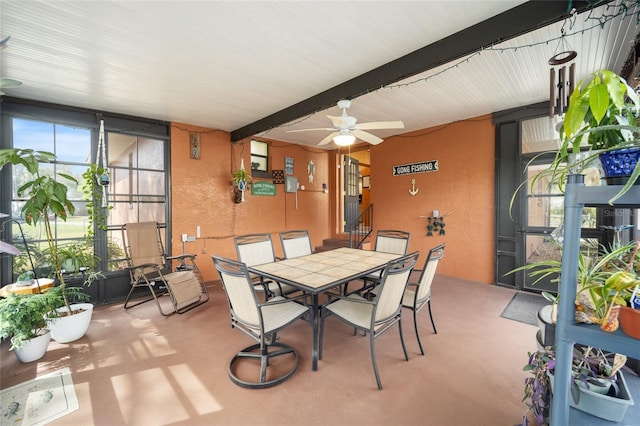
(263,188)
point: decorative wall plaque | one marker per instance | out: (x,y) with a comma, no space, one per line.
(278,176)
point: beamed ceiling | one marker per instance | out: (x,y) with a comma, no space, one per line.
(263,68)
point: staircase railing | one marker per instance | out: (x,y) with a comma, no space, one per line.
(360,228)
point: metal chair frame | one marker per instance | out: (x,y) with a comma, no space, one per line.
(155,270)
(420,297)
(256,249)
(295,243)
(373,316)
(260,321)
(387,241)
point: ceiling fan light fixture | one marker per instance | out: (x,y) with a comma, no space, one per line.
(344,139)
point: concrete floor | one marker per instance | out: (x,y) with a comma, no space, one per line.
(135,367)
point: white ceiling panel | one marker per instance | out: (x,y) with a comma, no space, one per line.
(227,64)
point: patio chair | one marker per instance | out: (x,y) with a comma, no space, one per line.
(148,268)
(295,243)
(387,241)
(260,321)
(418,294)
(257,249)
(373,316)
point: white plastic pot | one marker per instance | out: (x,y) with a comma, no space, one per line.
(69,328)
(34,349)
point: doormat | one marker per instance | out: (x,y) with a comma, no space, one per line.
(523,307)
(38,401)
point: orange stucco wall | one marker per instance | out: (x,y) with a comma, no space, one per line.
(463,188)
(201,195)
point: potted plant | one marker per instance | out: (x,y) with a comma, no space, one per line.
(77,259)
(597,385)
(599,288)
(240,179)
(630,314)
(46,198)
(22,320)
(604,110)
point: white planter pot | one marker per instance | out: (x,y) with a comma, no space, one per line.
(70,328)
(35,348)
(547,326)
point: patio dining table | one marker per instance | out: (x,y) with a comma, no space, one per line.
(320,272)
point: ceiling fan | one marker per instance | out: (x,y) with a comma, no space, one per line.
(345,129)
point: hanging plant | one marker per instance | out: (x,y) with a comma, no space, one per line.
(240,175)
(240,179)
(95,179)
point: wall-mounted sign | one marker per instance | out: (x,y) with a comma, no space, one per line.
(288,165)
(409,169)
(263,188)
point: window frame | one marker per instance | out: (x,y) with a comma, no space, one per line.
(82,118)
(257,172)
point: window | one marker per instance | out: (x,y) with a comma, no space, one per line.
(137,188)
(543,208)
(137,159)
(72,147)
(259,158)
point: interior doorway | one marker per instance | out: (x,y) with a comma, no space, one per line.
(356,187)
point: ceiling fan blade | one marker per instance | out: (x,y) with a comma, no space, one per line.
(381,125)
(328,138)
(367,137)
(9,83)
(5,41)
(329,129)
(338,121)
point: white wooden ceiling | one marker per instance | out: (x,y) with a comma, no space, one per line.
(227,64)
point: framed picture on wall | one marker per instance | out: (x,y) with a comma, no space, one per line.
(194,146)
(365,182)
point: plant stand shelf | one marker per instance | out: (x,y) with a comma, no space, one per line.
(567,331)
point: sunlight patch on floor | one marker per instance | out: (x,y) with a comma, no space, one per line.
(175,386)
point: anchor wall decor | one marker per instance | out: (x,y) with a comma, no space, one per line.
(413,190)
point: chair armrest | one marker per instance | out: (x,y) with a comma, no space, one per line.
(182,257)
(351,299)
(144,266)
(278,300)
